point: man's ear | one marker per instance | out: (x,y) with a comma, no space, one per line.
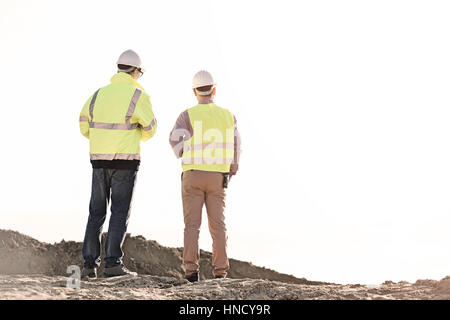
(195,92)
(134,74)
(214,91)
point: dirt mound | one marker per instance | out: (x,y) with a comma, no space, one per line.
(443,287)
(21,254)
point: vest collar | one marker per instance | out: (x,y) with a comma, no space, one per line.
(122,77)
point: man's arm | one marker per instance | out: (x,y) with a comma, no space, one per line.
(237,150)
(143,115)
(182,130)
(84,119)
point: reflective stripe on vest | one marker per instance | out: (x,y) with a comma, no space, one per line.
(115,156)
(209,145)
(132,105)
(206,161)
(150,126)
(115,126)
(91,106)
(208,152)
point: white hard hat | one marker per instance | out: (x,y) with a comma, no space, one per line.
(201,79)
(130,58)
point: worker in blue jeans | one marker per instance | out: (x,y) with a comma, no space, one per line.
(115,119)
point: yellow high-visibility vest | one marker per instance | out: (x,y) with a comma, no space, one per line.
(116,118)
(211,147)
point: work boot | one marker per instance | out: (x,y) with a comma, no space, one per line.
(220,277)
(89,273)
(192,277)
(118,270)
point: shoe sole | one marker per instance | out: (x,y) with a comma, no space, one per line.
(192,280)
(119,275)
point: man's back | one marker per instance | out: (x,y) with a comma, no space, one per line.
(212,114)
(113,101)
(116,118)
(211,147)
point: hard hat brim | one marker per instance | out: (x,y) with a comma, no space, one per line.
(204,85)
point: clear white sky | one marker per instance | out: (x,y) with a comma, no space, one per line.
(343,108)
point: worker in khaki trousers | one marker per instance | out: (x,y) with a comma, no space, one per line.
(205,137)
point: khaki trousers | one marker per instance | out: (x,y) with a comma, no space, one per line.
(198,188)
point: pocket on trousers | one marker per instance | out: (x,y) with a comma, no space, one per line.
(124,175)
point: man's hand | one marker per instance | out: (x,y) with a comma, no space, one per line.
(233,169)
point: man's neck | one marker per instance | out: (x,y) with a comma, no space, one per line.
(205,101)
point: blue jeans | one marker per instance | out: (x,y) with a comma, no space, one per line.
(117,185)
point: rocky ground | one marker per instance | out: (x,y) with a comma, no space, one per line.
(169,288)
(30,269)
